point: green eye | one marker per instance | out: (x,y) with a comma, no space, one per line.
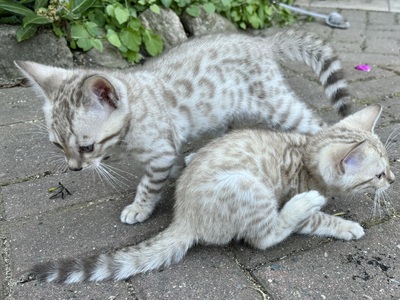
(86,149)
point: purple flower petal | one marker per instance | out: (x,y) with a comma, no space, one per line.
(363,67)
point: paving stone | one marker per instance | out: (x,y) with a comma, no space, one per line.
(205,273)
(363,269)
(32,198)
(19,105)
(372,59)
(381,18)
(70,233)
(375,89)
(382,46)
(92,291)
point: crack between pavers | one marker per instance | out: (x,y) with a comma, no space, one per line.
(23,122)
(59,211)
(25,179)
(389,69)
(258,286)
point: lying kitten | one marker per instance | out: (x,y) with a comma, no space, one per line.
(197,86)
(253,185)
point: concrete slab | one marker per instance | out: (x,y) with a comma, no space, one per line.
(20,105)
(78,231)
(31,198)
(364,269)
(205,273)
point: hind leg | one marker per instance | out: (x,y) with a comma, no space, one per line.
(285,222)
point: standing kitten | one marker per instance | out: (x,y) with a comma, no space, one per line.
(254,185)
(197,86)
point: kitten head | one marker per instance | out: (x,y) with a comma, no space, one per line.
(351,158)
(85,112)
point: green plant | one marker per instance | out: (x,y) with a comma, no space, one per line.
(87,23)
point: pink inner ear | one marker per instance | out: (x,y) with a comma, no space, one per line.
(105,92)
(352,161)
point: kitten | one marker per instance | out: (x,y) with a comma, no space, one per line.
(254,185)
(199,85)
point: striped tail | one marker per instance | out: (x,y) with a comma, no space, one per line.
(165,248)
(316,53)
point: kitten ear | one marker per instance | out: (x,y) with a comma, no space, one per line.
(352,162)
(44,78)
(102,90)
(364,119)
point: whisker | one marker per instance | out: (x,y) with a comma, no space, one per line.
(115,173)
(109,178)
(120,179)
(390,138)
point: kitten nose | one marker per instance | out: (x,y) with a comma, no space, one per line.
(75,169)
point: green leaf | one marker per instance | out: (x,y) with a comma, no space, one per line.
(97,16)
(113,38)
(24,33)
(268,10)
(155,9)
(15,8)
(81,6)
(250,9)
(110,10)
(84,44)
(79,32)
(193,10)
(121,14)
(39,20)
(92,29)
(10,20)
(209,8)
(255,21)
(152,42)
(166,3)
(132,56)
(57,30)
(135,24)
(97,44)
(226,3)
(131,39)
(40,3)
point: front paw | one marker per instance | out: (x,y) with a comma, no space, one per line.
(134,213)
(350,230)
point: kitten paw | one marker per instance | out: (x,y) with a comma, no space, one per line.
(308,202)
(134,213)
(350,230)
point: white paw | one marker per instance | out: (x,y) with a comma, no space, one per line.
(350,230)
(133,213)
(308,202)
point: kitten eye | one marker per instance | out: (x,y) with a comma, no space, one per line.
(86,149)
(379,176)
(57,145)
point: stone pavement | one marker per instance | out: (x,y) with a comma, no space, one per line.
(34,228)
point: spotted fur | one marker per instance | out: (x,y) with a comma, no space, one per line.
(258,186)
(200,85)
